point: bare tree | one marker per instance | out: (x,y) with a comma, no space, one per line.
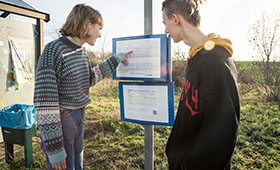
(98,52)
(179,63)
(179,54)
(103,44)
(52,30)
(101,47)
(264,38)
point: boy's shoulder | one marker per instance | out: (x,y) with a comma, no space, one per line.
(217,55)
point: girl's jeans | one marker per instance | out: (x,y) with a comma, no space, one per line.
(73,137)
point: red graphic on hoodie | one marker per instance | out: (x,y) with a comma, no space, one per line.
(191,104)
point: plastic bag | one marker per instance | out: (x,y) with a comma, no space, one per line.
(18,116)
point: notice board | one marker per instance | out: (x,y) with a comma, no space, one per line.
(150,60)
(147,103)
(17,64)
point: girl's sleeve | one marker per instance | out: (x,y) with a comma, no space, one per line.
(103,70)
(47,106)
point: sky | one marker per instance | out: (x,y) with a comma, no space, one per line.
(123,18)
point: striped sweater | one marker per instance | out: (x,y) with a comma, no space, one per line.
(63,79)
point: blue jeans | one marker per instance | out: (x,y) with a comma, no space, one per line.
(73,137)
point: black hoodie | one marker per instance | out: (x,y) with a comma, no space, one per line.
(204,133)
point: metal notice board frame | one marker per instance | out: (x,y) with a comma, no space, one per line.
(147,103)
(153,64)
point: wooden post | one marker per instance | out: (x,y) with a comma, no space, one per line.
(40,39)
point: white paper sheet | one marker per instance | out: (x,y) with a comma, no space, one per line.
(146,103)
(144,61)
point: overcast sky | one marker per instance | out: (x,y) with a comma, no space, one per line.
(122,18)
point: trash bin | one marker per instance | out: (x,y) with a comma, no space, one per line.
(18,127)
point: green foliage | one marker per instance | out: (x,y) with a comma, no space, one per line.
(258,141)
(178,72)
(98,57)
(263,37)
(179,64)
(245,72)
(264,81)
(119,146)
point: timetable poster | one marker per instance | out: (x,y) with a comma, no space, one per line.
(145,59)
(148,61)
(147,103)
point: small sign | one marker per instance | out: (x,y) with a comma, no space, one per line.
(147,103)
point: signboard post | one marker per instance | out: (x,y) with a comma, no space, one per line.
(151,101)
(149,129)
(147,103)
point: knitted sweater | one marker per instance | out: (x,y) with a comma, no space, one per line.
(63,79)
(204,133)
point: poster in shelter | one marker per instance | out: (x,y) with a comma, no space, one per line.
(22,59)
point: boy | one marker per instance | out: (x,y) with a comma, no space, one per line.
(204,133)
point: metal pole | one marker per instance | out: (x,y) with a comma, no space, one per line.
(148,17)
(149,147)
(149,129)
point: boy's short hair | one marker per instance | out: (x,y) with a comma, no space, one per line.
(188,9)
(76,24)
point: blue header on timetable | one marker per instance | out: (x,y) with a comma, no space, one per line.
(150,60)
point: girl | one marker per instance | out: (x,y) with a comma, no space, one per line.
(63,79)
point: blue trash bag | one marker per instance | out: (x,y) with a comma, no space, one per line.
(18,116)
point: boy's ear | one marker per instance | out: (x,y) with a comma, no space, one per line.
(176,18)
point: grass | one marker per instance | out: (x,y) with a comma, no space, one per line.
(258,142)
(113,144)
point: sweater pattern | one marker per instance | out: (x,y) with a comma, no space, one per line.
(63,79)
